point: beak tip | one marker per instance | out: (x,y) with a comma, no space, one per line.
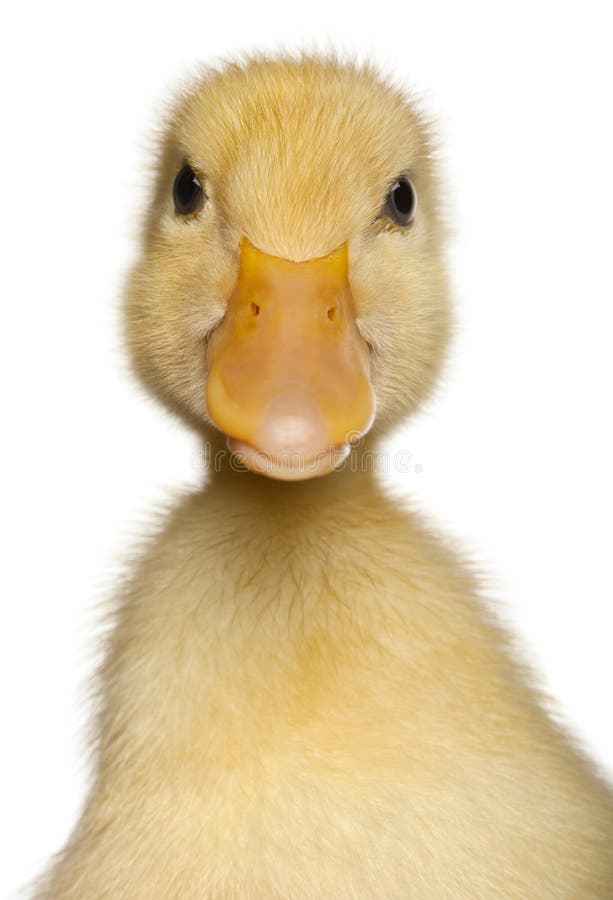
(292,425)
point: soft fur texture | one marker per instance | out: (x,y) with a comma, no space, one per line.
(303,695)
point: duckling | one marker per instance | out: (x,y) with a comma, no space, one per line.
(303,695)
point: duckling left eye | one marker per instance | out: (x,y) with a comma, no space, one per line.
(187,192)
(401,201)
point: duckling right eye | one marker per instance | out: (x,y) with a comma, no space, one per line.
(401,201)
(187,192)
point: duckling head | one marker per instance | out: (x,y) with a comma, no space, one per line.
(291,291)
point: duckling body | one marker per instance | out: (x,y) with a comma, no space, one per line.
(323,711)
(304,696)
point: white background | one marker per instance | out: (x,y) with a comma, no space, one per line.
(516,451)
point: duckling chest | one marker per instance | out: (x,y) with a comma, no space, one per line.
(275,717)
(289,711)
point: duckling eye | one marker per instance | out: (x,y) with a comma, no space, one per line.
(187,192)
(401,201)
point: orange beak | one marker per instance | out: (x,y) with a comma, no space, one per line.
(288,371)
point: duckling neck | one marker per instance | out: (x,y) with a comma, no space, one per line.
(282,501)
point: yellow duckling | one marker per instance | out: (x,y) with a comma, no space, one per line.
(303,696)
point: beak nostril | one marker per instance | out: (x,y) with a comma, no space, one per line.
(255,309)
(332,313)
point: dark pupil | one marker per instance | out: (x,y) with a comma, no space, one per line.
(402,196)
(187,191)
